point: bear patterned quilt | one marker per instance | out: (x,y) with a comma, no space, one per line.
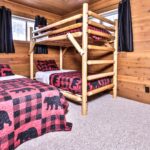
(72,81)
(29,109)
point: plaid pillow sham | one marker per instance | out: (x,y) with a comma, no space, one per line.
(46,65)
(5,70)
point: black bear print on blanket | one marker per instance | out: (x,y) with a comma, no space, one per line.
(4,118)
(28,134)
(53,101)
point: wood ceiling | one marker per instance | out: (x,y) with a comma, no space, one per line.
(59,7)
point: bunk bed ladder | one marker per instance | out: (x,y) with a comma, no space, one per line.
(107,47)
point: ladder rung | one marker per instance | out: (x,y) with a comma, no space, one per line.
(98,76)
(107,87)
(102,48)
(96,62)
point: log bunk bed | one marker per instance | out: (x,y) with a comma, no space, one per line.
(81,38)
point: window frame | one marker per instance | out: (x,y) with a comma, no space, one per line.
(26,27)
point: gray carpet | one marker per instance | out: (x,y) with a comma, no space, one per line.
(110,125)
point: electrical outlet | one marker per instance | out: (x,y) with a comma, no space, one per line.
(147,89)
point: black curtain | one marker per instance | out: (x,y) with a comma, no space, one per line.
(40,22)
(6,38)
(125,27)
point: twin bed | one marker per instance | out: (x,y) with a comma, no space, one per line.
(28,109)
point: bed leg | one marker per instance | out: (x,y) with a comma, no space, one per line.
(115,60)
(84,59)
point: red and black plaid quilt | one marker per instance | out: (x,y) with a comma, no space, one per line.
(29,109)
(95,37)
(72,81)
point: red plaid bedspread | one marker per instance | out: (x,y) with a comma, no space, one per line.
(72,81)
(29,109)
(97,38)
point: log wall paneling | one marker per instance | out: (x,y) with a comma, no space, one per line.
(134,68)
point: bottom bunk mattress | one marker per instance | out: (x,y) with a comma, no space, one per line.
(70,80)
(29,109)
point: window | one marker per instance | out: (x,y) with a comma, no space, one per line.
(21,28)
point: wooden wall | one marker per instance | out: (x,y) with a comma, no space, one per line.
(20,60)
(134,68)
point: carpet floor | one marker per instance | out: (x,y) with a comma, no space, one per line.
(110,125)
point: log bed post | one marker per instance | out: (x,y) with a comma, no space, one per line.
(31,53)
(61,58)
(84,58)
(115,60)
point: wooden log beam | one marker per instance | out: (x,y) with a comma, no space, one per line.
(101,75)
(57,38)
(104,88)
(100,17)
(70,96)
(99,62)
(64,51)
(95,24)
(115,60)
(58,23)
(102,34)
(31,53)
(61,58)
(84,59)
(75,43)
(101,48)
(74,26)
